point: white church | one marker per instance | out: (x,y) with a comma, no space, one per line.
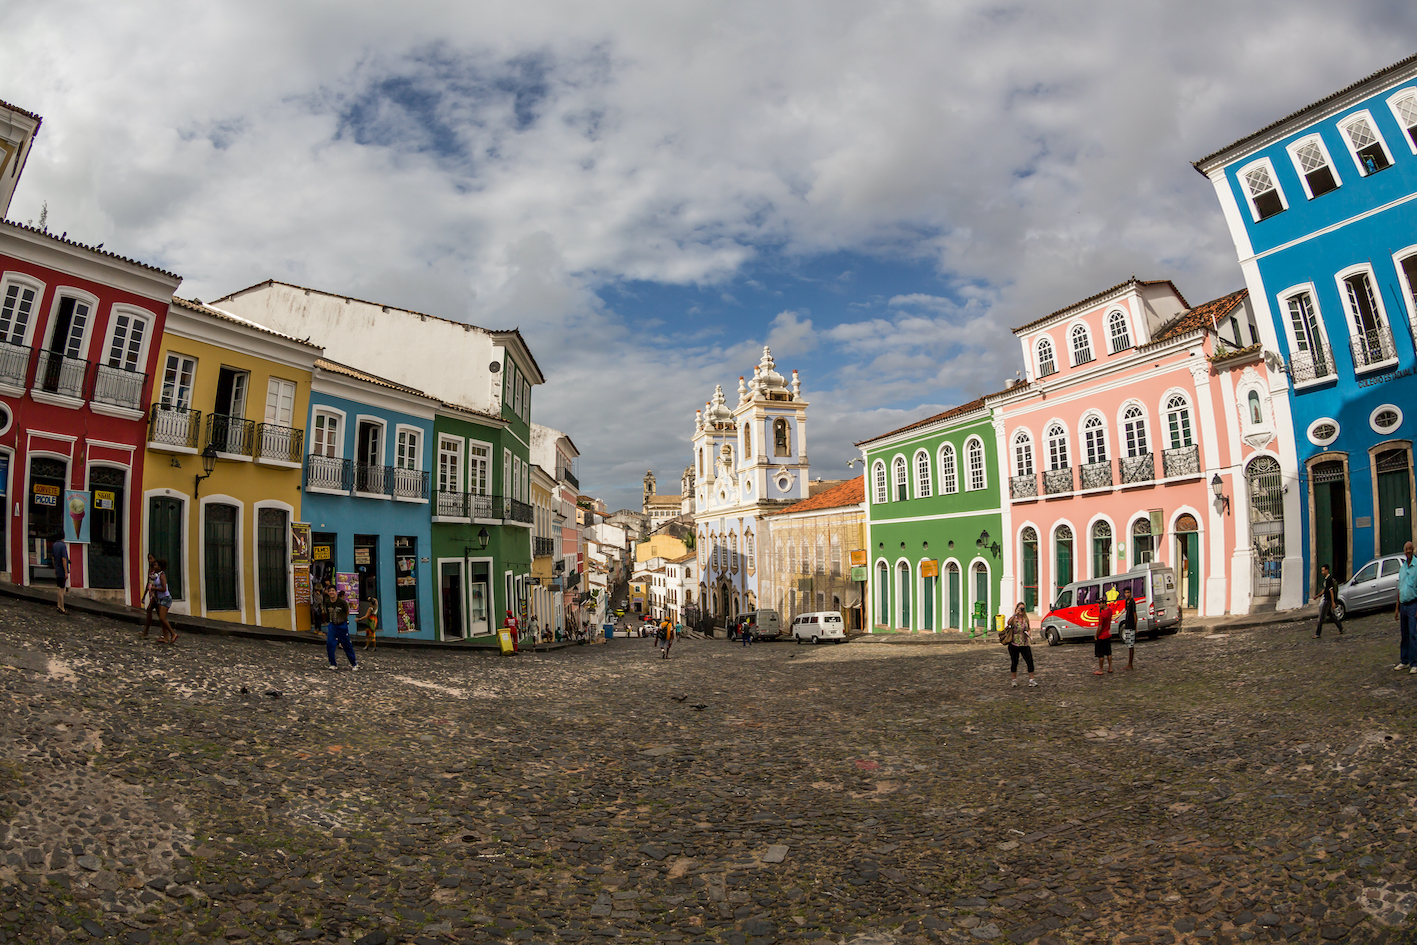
(749,459)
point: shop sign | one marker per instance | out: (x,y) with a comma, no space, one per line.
(858,558)
(322,553)
(45,494)
(103,500)
(929,569)
(302,583)
(362,555)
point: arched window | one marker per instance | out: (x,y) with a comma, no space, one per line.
(1023,454)
(922,475)
(902,487)
(1101,549)
(879,474)
(949,482)
(733,550)
(748,548)
(713,539)
(1117,328)
(836,556)
(1029,540)
(1178,421)
(1082,345)
(974,457)
(1047,362)
(1063,556)
(1094,438)
(821,559)
(1143,542)
(781,440)
(1057,447)
(748,442)
(1256,415)
(1134,429)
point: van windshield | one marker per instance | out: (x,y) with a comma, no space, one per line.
(1065,600)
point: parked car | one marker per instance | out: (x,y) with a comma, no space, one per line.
(1374,586)
(823,625)
(1074,615)
(762,624)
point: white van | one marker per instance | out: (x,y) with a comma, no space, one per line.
(1074,614)
(823,625)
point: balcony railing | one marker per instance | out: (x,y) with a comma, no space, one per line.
(543,547)
(565,475)
(451,505)
(174,426)
(1371,348)
(60,374)
(371,478)
(486,506)
(409,483)
(1137,468)
(14,363)
(328,472)
(118,387)
(229,434)
(1023,487)
(1058,480)
(1183,461)
(519,511)
(1097,475)
(278,443)
(1310,366)
(1047,369)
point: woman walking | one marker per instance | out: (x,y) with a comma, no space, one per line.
(162,597)
(149,594)
(1020,645)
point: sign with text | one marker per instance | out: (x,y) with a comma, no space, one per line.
(299,543)
(858,574)
(45,494)
(76,517)
(858,558)
(929,569)
(103,500)
(302,583)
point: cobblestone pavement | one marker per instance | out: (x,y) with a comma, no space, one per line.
(1256,785)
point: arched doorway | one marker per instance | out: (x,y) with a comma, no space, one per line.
(952,589)
(1101,549)
(981,595)
(1266,488)
(903,594)
(1062,558)
(1188,566)
(1394,498)
(1030,570)
(1143,543)
(883,595)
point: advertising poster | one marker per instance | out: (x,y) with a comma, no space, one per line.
(929,569)
(408,616)
(299,542)
(76,517)
(103,500)
(349,583)
(302,583)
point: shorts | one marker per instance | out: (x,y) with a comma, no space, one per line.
(1101,648)
(165,602)
(61,577)
(1129,636)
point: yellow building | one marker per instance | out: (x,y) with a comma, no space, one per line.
(221,482)
(660,546)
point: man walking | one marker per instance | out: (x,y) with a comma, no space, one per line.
(1407,610)
(1129,624)
(1329,592)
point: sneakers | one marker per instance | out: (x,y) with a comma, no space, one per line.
(1033,682)
(1413,670)
(1013,683)
(332,666)
(355,668)
(1401,666)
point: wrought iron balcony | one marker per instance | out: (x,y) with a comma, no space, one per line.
(1097,475)
(486,506)
(118,387)
(1310,366)
(519,511)
(409,483)
(1047,369)
(174,426)
(451,504)
(1184,461)
(543,547)
(60,374)
(229,434)
(328,472)
(1023,487)
(1371,348)
(278,443)
(565,475)
(14,363)
(1056,481)
(1136,469)
(372,478)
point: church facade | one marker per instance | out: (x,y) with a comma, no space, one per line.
(749,459)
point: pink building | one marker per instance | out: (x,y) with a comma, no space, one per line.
(1146,430)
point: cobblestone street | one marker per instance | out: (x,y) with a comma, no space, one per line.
(1255,785)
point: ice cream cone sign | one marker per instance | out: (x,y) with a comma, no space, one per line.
(76,525)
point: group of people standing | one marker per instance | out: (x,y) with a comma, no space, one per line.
(1017,636)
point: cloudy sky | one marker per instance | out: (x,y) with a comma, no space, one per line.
(651,191)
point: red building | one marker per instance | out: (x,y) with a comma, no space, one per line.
(79,337)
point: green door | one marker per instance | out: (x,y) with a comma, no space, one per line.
(165,539)
(981,597)
(927,603)
(1330,524)
(1188,549)
(883,594)
(220,541)
(1394,497)
(1030,570)
(954,597)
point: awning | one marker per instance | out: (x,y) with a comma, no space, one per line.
(853,601)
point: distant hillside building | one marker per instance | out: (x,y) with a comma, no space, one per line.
(660,508)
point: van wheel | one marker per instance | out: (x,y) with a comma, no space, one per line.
(814,639)
(1051,635)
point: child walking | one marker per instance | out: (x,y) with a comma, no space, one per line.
(1102,644)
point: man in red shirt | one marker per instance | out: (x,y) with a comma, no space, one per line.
(510,623)
(1102,644)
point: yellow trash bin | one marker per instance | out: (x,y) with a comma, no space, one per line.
(505,638)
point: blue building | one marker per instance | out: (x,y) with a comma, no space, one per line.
(1321,208)
(367,490)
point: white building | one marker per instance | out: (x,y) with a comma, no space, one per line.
(748,459)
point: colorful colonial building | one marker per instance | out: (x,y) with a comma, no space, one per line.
(807,549)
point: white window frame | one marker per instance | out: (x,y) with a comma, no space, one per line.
(133,314)
(1377,133)
(29,282)
(71,292)
(327,412)
(1126,441)
(1022,444)
(1382,408)
(506,473)
(1052,355)
(978,477)
(486,460)
(881,483)
(948,469)
(923,483)
(1101,431)
(1408,91)
(1073,352)
(1113,317)
(1287,321)
(1407,252)
(1340,280)
(1191,418)
(1294,147)
(900,478)
(265,406)
(1062,437)
(1319,440)
(1245,187)
(400,429)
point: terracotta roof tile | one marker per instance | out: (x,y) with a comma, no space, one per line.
(195,306)
(851,492)
(1205,315)
(16,108)
(1103,294)
(952,412)
(334,367)
(92,249)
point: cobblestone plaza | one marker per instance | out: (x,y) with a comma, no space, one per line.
(1251,785)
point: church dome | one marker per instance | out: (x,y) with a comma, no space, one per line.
(718,414)
(767,377)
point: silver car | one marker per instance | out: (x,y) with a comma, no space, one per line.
(1373,587)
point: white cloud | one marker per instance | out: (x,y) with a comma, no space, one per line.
(504,163)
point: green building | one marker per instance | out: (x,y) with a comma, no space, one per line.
(934,523)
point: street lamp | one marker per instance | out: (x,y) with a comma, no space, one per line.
(208,464)
(483,537)
(983,542)
(1216,486)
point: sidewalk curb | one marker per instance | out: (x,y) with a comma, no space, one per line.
(203,626)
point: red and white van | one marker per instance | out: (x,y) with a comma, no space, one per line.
(1074,615)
